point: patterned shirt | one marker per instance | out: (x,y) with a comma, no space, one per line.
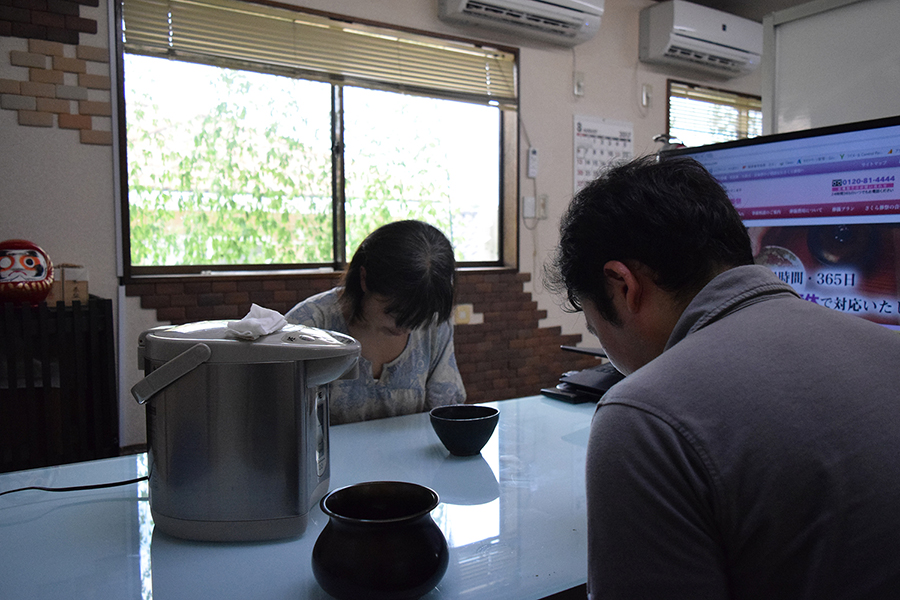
(425,374)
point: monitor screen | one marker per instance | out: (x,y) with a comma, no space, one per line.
(823,210)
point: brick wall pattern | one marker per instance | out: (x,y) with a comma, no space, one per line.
(508,355)
(61,73)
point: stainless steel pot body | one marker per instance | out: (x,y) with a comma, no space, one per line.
(238,431)
(238,451)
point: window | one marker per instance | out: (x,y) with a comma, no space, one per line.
(700,115)
(259,137)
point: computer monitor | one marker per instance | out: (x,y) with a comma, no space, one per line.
(823,210)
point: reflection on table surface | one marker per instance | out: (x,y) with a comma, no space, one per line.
(514,517)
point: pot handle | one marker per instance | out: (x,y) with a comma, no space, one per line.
(169,372)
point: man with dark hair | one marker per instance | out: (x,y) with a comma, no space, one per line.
(751,451)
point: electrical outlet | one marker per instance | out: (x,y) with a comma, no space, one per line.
(529,209)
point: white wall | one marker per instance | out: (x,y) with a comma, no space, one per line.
(59,193)
(821,54)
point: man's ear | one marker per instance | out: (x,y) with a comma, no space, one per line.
(362,280)
(625,285)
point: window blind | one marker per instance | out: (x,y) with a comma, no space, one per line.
(701,115)
(245,35)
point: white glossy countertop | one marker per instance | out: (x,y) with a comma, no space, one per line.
(514,518)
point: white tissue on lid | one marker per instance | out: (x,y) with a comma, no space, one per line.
(258,322)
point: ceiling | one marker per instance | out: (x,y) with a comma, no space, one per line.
(754,10)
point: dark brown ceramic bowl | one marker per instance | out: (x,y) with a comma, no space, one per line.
(464,429)
(380,542)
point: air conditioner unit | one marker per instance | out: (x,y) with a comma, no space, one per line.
(689,35)
(565,22)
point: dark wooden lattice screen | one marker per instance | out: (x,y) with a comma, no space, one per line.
(57,384)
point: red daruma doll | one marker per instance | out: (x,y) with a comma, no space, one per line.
(26,272)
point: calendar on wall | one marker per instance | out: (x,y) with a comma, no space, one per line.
(598,144)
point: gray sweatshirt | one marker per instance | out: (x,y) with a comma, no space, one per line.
(757,458)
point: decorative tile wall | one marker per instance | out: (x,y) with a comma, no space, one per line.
(52,20)
(507,355)
(67,84)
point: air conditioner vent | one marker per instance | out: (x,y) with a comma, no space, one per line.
(490,11)
(702,58)
(563,22)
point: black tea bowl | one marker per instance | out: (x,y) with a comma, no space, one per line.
(380,542)
(464,429)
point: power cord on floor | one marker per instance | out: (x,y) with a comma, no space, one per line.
(77,488)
